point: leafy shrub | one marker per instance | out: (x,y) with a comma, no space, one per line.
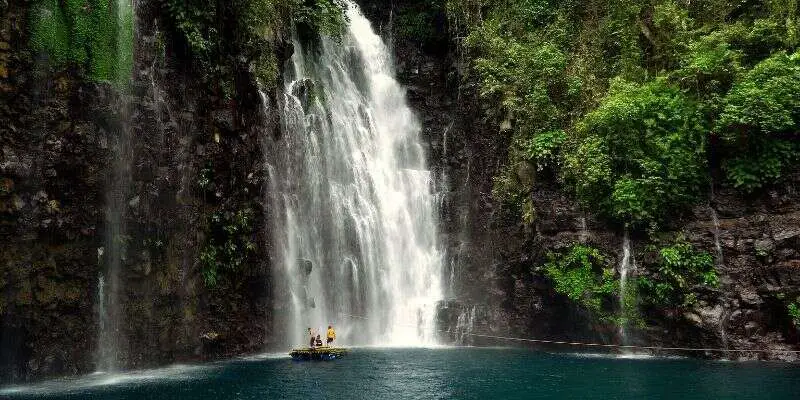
(794,312)
(639,155)
(229,244)
(581,275)
(759,122)
(543,150)
(680,269)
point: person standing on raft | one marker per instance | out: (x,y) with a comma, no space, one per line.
(331,335)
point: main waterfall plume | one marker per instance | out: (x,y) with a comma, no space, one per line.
(355,230)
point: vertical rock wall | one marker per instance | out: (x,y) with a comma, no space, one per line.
(195,157)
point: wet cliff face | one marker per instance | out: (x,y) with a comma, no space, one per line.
(194,164)
(495,260)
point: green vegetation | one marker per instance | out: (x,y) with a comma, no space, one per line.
(218,34)
(229,244)
(639,154)
(95,35)
(582,275)
(322,16)
(794,312)
(421,22)
(761,113)
(630,103)
(679,271)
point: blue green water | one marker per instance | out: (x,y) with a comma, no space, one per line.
(449,373)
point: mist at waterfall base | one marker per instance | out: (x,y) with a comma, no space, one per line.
(458,373)
(352,200)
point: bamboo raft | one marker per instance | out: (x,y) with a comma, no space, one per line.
(318,353)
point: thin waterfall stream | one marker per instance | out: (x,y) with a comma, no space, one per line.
(354,228)
(110,308)
(720,263)
(624,270)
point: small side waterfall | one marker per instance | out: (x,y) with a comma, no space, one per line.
(464,326)
(583,234)
(720,262)
(624,297)
(717,244)
(355,237)
(110,340)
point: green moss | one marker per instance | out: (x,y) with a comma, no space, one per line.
(49,31)
(96,35)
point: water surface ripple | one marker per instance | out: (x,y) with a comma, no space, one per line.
(441,373)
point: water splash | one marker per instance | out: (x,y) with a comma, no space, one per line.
(354,213)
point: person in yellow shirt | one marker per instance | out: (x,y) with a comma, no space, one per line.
(331,335)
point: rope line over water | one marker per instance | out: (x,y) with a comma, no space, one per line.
(604,345)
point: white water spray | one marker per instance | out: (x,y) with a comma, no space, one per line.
(351,197)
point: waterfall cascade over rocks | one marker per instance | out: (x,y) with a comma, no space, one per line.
(355,240)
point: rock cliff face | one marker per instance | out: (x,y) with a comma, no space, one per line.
(495,282)
(192,158)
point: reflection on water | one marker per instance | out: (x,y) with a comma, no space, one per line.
(118,381)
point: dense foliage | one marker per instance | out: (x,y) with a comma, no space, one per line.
(630,103)
(679,271)
(639,154)
(761,113)
(94,35)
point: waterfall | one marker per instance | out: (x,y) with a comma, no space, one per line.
(717,244)
(583,235)
(720,261)
(624,268)
(464,325)
(110,340)
(354,227)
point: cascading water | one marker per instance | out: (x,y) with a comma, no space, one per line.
(624,296)
(464,326)
(583,235)
(110,341)
(355,231)
(720,261)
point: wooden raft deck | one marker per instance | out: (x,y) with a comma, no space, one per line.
(318,353)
